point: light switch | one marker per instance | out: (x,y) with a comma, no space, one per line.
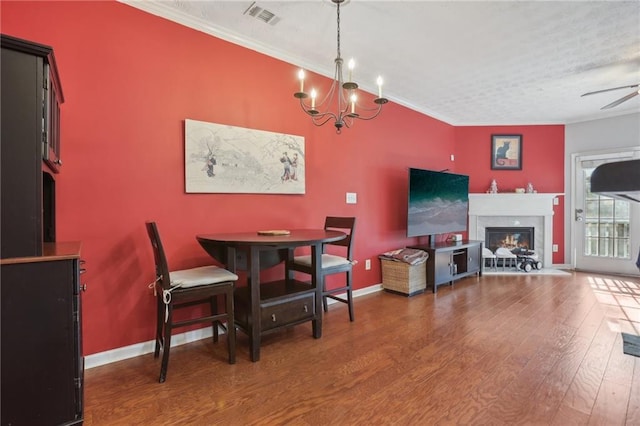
(352,198)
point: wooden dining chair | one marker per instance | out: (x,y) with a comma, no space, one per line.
(334,263)
(189,287)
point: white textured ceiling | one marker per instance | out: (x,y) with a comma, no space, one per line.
(465,63)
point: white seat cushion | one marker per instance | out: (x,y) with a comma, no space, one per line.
(200,276)
(328,260)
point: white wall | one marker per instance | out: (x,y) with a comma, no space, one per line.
(605,135)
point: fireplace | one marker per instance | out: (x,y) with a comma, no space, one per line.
(512,210)
(514,238)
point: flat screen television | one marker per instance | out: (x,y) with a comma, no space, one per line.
(438,202)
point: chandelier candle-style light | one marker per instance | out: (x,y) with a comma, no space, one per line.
(343,93)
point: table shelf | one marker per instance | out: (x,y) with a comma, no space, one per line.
(283,303)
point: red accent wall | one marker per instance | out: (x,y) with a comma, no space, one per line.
(130,79)
(542,165)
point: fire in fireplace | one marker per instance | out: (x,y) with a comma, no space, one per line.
(512,238)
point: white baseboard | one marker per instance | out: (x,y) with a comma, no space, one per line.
(143,348)
(564,266)
(367,290)
(138,349)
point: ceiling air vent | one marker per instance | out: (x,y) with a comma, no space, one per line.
(261,14)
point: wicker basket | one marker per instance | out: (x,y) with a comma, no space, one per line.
(403,278)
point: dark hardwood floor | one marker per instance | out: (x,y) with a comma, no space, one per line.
(495,350)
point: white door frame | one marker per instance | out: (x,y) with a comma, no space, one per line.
(612,155)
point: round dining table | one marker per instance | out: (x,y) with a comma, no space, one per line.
(267,307)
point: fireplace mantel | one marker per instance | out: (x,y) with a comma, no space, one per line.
(511,204)
(515,206)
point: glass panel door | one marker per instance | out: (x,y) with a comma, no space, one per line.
(606,229)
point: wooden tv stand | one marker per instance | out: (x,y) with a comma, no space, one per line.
(450,261)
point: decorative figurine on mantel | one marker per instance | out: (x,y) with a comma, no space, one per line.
(530,189)
(493,189)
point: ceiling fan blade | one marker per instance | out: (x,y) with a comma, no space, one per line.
(621,100)
(609,90)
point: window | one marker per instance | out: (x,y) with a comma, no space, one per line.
(606,224)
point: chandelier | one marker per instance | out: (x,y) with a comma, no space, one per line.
(342,93)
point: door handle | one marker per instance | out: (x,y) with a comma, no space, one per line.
(578,215)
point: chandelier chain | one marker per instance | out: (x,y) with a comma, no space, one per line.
(338,20)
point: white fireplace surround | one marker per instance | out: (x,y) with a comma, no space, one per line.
(511,210)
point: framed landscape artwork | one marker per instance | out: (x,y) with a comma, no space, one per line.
(506,152)
(226,159)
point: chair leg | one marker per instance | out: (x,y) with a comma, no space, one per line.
(350,298)
(231,328)
(166,347)
(214,311)
(159,324)
(325,306)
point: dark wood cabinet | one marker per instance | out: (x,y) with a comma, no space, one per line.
(52,101)
(448,262)
(42,366)
(30,102)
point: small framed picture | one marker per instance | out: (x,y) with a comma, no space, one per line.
(506,152)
